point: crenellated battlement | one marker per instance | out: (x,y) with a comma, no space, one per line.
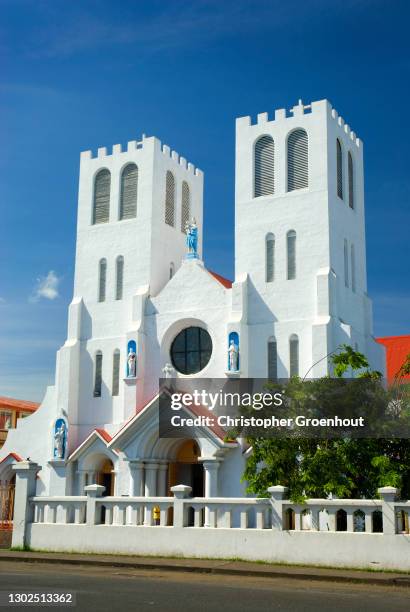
(134,145)
(300,110)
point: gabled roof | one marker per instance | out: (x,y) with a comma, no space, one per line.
(96,434)
(14,456)
(221,279)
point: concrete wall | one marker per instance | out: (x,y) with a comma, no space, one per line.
(360,550)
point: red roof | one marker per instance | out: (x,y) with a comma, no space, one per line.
(10,402)
(104,434)
(397,349)
(221,279)
(14,455)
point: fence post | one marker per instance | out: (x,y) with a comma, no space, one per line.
(388,495)
(277,494)
(180,492)
(26,473)
(93,491)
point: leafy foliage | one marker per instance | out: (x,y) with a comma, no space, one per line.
(345,467)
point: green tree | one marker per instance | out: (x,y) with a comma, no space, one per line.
(346,467)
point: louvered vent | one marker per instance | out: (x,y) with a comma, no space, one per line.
(129,192)
(101,206)
(297,160)
(98,374)
(102,278)
(339,161)
(270,258)
(185,207)
(170,199)
(272,360)
(264,167)
(291,254)
(294,356)
(351,179)
(119,277)
(116,372)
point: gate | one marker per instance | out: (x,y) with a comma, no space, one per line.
(6,513)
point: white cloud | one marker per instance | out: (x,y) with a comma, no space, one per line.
(47,287)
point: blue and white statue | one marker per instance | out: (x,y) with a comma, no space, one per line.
(233,356)
(191,240)
(60,439)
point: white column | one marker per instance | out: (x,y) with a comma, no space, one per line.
(136,474)
(211,486)
(162,480)
(81,481)
(151,470)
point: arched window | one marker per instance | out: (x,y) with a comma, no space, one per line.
(293,355)
(359,521)
(377,521)
(171,270)
(98,374)
(341,520)
(270,258)
(170,199)
(291,254)
(119,281)
(272,359)
(129,192)
(350,179)
(298,166)
(353,267)
(101,204)
(116,372)
(339,170)
(346,262)
(264,178)
(102,279)
(185,206)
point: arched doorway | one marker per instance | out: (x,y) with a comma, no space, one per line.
(7,490)
(99,469)
(186,469)
(105,477)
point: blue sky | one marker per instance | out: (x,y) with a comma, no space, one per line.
(78,75)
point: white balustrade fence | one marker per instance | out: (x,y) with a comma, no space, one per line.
(385,515)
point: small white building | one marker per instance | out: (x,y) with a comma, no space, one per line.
(141,304)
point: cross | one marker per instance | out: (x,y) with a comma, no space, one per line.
(300,103)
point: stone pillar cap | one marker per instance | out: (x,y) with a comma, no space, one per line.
(277,489)
(95,488)
(382,490)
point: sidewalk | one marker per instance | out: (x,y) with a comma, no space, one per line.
(213,566)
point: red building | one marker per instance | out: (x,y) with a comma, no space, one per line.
(397,349)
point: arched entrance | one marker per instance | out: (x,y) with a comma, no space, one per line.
(99,469)
(7,490)
(105,477)
(186,469)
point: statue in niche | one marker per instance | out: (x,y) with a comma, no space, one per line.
(233,356)
(191,241)
(60,436)
(168,371)
(132,363)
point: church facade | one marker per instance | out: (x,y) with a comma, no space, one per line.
(145,304)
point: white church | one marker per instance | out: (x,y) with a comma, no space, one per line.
(144,302)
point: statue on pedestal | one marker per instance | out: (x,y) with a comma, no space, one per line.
(233,356)
(191,241)
(131,363)
(60,436)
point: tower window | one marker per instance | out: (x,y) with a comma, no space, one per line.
(346,263)
(297,160)
(353,267)
(119,277)
(102,278)
(291,254)
(272,359)
(351,179)
(171,270)
(339,170)
(129,192)
(101,204)
(185,206)
(170,199)
(264,177)
(293,355)
(98,374)
(116,372)
(270,258)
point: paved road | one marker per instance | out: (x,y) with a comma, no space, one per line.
(123,590)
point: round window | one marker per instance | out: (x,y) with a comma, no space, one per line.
(191,350)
